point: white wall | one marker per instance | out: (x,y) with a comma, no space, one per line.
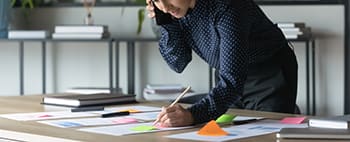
(85,64)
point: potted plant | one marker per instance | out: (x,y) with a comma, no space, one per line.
(140,15)
(141,19)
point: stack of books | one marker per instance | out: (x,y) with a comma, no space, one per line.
(27,34)
(163,92)
(330,128)
(80,100)
(294,30)
(80,32)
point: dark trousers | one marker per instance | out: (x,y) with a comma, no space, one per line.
(272,84)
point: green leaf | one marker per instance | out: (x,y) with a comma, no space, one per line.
(141,18)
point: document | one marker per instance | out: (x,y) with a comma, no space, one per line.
(33,116)
(12,136)
(46,115)
(83,122)
(137,128)
(241,131)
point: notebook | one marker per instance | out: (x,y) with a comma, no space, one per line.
(79,100)
(313,133)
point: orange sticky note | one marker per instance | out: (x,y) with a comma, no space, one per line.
(293,120)
(212,129)
(132,110)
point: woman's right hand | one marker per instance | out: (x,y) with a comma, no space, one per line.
(150,9)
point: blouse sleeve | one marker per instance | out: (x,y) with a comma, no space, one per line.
(173,47)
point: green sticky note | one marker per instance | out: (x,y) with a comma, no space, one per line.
(144,128)
(225,118)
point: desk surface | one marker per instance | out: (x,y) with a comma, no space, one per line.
(18,104)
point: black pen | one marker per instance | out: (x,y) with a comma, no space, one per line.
(238,122)
(90,108)
(120,113)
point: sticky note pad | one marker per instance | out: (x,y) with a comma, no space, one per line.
(144,128)
(125,120)
(293,120)
(212,129)
(225,118)
(132,110)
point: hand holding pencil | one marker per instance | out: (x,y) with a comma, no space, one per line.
(174,114)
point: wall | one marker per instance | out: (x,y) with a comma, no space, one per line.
(85,64)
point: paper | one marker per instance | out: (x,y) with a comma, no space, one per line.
(68,114)
(26,137)
(81,122)
(119,130)
(293,120)
(241,131)
(69,123)
(225,118)
(132,109)
(46,115)
(212,129)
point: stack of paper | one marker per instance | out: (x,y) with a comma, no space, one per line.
(80,32)
(294,30)
(164,91)
(28,34)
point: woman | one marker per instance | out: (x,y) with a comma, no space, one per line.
(256,68)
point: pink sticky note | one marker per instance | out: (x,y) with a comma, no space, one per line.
(45,115)
(293,120)
(125,121)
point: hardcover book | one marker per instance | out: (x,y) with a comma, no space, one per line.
(335,122)
(79,100)
(313,133)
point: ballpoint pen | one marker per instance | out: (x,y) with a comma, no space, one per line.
(176,100)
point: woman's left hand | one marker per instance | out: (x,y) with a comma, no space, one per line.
(174,116)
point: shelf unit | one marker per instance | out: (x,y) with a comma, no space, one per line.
(43,53)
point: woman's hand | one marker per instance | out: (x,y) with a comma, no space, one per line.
(150,9)
(174,116)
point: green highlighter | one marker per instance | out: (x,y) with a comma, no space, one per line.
(225,119)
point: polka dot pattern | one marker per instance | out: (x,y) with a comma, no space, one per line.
(230,35)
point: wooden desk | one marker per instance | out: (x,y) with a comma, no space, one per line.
(18,104)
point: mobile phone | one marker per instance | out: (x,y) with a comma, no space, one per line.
(161,17)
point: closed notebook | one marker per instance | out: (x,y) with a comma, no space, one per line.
(313,133)
(335,122)
(89,100)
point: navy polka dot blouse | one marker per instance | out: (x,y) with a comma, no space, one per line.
(229,35)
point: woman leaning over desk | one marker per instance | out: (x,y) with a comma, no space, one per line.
(255,66)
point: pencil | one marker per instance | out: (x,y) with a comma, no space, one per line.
(176,100)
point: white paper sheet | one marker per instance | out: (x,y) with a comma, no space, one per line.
(242,131)
(136,107)
(46,115)
(12,136)
(68,114)
(68,123)
(119,130)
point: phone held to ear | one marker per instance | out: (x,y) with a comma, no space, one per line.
(161,17)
